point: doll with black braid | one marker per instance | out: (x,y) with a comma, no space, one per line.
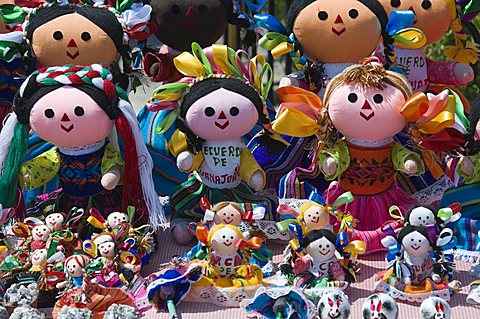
(79,110)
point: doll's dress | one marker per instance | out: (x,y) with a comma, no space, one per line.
(310,273)
(369,173)
(420,276)
(108,276)
(468,195)
(94,297)
(219,174)
(80,172)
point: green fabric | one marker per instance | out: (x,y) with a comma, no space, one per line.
(475,177)
(339,152)
(400,154)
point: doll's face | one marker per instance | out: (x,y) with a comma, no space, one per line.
(73,268)
(221,115)
(107,249)
(477,132)
(181,22)
(415,244)
(431,16)
(54,221)
(435,308)
(40,232)
(72,39)
(228,215)
(316,217)
(223,241)
(367,114)
(68,117)
(116,219)
(321,249)
(39,257)
(337,31)
(421,216)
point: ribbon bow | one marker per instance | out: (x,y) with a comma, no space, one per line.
(399,28)
(252,243)
(257,213)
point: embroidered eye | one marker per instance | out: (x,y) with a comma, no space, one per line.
(209,111)
(49,113)
(175,9)
(224,236)
(231,215)
(412,239)
(353,13)
(234,111)
(419,240)
(395,3)
(419,218)
(323,15)
(426,4)
(79,111)
(85,36)
(320,246)
(58,35)
(378,98)
(202,8)
(352,97)
(231,237)
(328,246)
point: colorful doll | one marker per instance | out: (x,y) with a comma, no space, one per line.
(315,264)
(57,103)
(216,104)
(365,161)
(380,306)
(180,23)
(434,18)
(80,293)
(334,304)
(227,258)
(414,273)
(435,308)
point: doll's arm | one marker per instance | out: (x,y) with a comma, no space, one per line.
(160,68)
(302,265)
(469,168)
(335,160)
(337,271)
(39,170)
(112,164)
(250,171)
(294,79)
(451,73)
(406,161)
(188,162)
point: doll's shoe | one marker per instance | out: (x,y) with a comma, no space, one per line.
(182,234)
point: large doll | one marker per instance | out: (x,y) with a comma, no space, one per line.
(363,104)
(324,38)
(180,23)
(218,102)
(434,18)
(79,110)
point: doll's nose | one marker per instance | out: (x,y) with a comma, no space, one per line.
(189,12)
(338,19)
(411,9)
(222,116)
(72,44)
(65,118)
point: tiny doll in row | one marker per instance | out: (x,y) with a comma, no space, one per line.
(216,104)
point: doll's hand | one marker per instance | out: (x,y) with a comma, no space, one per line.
(464,73)
(408,281)
(329,166)
(61,285)
(185,161)
(256,182)
(467,166)
(410,166)
(111,178)
(436,278)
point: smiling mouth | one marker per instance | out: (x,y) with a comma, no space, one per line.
(324,254)
(227,221)
(227,244)
(36,258)
(338,32)
(74,55)
(315,219)
(189,25)
(335,315)
(67,129)
(222,126)
(415,247)
(367,112)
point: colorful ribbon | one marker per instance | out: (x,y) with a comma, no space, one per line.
(399,28)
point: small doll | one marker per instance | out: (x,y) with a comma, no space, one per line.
(366,160)
(434,18)
(116,223)
(80,293)
(57,103)
(414,272)
(315,263)
(216,104)
(435,308)
(227,258)
(334,304)
(35,232)
(380,306)
(55,221)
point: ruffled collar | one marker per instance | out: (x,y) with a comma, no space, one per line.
(82,150)
(369,143)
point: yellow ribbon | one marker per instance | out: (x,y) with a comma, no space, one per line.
(95,222)
(282,49)
(410,38)
(356,247)
(459,53)
(177,143)
(189,65)
(90,248)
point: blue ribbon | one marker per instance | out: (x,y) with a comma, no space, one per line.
(297,230)
(254,7)
(317,198)
(342,241)
(399,20)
